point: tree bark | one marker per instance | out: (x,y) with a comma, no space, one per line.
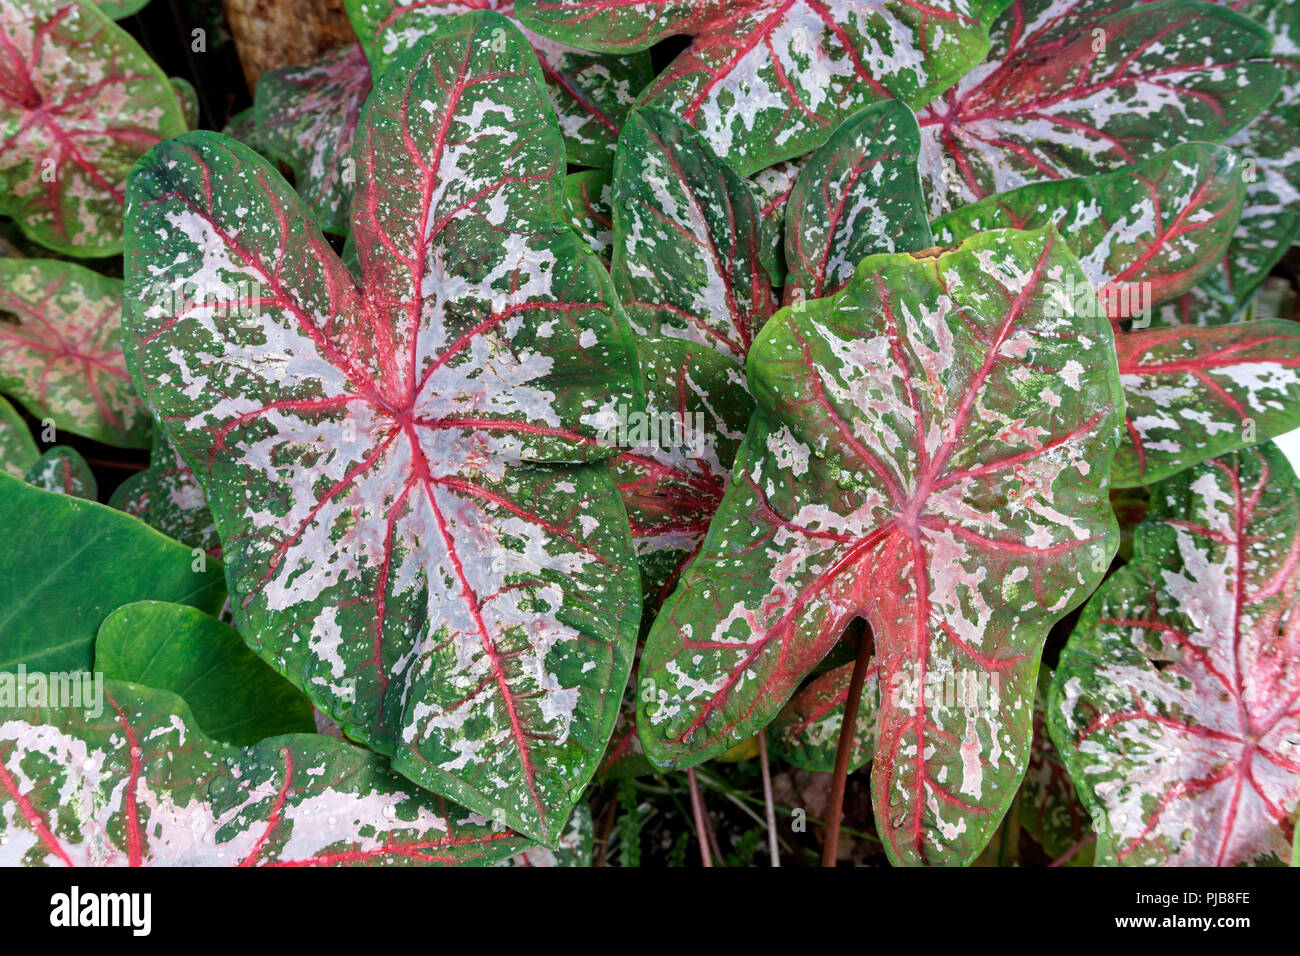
(271,33)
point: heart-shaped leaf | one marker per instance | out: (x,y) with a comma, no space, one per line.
(687,268)
(770,79)
(306,116)
(63,470)
(930,452)
(138,784)
(1064,94)
(53,597)
(807,731)
(591,94)
(1195,394)
(61,357)
(859,194)
(1143,234)
(406,535)
(79,103)
(167,496)
(18,450)
(1174,701)
(234,696)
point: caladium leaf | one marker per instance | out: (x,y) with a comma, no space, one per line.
(406,535)
(53,597)
(772,187)
(857,195)
(1063,94)
(591,93)
(587,204)
(243,127)
(18,450)
(687,268)
(233,695)
(167,496)
(61,353)
(138,784)
(770,79)
(79,103)
(1174,702)
(120,9)
(63,470)
(188,97)
(806,733)
(1050,809)
(929,452)
(624,757)
(1143,234)
(1195,394)
(306,116)
(574,849)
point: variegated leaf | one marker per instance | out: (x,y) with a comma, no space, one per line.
(574,849)
(132,781)
(168,497)
(79,103)
(857,195)
(121,9)
(806,733)
(1064,94)
(18,450)
(772,187)
(687,268)
(930,451)
(770,79)
(591,93)
(1143,234)
(392,466)
(306,116)
(1197,393)
(1174,704)
(61,351)
(63,470)
(1049,806)
(587,204)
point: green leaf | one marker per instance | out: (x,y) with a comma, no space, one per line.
(1174,701)
(74,562)
(120,9)
(587,206)
(575,847)
(167,496)
(78,106)
(929,451)
(859,194)
(590,93)
(234,696)
(769,80)
(306,116)
(1050,810)
(687,267)
(18,450)
(399,469)
(61,355)
(138,784)
(189,100)
(806,733)
(1064,93)
(63,470)
(772,188)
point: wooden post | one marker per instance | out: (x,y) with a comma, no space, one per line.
(271,33)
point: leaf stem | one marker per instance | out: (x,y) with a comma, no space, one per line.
(835,811)
(697,809)
(768,805)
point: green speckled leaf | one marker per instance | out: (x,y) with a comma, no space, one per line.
(772,187)
(1067,94)
(1050,809)
(79,103)
(63,470)
(770,79)
(806,733)
(591,93)
(930,451)
(587,206)
(120,9)
(61,355)
(575,847)
(234,696)
(167,496)
(306,116)
(399,468)
(62,572)
(138,784)
(18,450)
(687,268)
(1174,701)
(859,194)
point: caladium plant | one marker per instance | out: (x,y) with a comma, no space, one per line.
(79,103)
(413,528)
(1174,702)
